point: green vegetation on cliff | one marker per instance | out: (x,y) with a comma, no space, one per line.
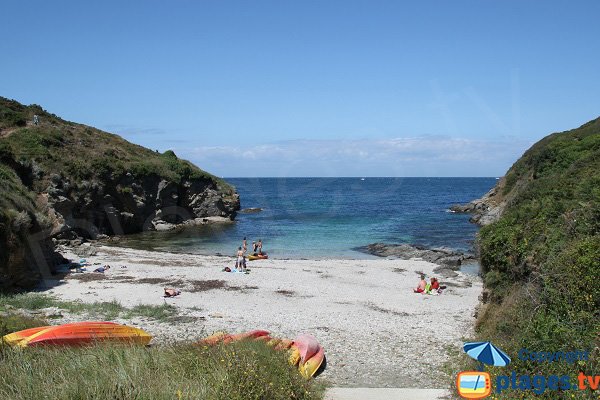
(541,259)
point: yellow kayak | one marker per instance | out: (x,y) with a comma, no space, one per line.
(312,365)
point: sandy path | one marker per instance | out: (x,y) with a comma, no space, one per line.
(374,329)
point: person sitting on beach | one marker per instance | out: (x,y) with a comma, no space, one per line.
(102,269)
(169,292)
(436,288)
(422,285)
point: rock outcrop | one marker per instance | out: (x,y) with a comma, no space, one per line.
(442,256)
(485,210)
(132,204)
(251,210)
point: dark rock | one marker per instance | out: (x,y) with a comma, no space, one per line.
(485,210)
(445,272)
(485,296)
(444,256)
(85,250)
(251,210)
(132,204)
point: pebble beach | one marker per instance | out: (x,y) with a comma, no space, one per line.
(375,330)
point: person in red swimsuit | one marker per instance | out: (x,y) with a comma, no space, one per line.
(422,284)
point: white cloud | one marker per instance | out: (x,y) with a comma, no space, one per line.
(404,156)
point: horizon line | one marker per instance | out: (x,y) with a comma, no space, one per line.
(360,177)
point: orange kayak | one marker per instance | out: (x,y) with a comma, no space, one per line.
(273,342)
(222,337)
(214,338)
(246,335)
(257,257)
(284,344)
(15,337)
(82,333)
(307,346)
(312,365)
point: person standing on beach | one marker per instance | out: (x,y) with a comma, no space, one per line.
(259,246)
(244,244)
(240,259)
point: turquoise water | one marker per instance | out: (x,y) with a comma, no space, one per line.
(329,217)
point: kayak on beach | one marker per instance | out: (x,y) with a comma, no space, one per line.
(255,256)
(304,351)
(77,334)
(309,368)
(16,337)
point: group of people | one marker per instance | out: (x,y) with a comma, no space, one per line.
(256,246)
(240,264)
(433,287)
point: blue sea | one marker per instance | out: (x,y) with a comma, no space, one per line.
(330,217)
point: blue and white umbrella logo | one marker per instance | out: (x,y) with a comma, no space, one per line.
(487,353)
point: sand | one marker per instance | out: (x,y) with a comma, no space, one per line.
(375,330)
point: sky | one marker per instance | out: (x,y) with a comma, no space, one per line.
(312,88)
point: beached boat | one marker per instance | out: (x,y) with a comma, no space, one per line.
(246,335)
(223,337)
(257,257)
(284,344)
(307,346)
(213,339)
(304,352)
(309,368)
(79,333)
(15,337)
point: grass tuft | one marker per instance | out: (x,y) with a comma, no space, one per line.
(108,310)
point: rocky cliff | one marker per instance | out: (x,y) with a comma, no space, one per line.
(487,209)
(61,180)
